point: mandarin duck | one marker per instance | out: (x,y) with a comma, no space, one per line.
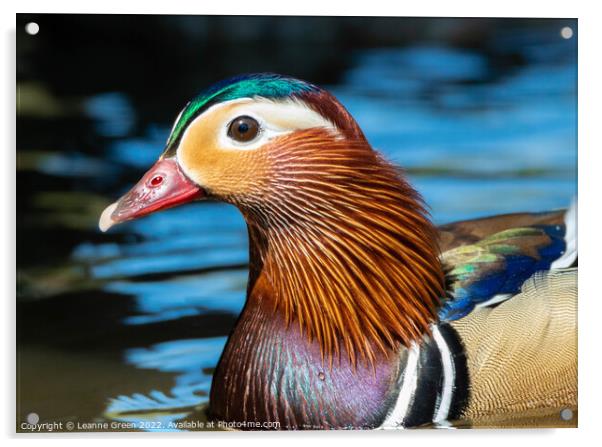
(360,313)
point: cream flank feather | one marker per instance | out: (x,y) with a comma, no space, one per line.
(524,352)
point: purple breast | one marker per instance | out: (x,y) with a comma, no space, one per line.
(271,373)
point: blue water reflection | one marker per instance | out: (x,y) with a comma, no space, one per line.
(190,360)
(221,291)
(113,114)
(140,152)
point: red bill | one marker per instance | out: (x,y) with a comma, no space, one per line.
(163,186)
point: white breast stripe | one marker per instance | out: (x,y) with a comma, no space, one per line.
(406,392)
(449,376)
(570,237)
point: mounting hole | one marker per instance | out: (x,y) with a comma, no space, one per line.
(566,414)
(33,418)
(32,28)
(566,32)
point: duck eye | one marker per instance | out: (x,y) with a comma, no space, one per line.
(243,129)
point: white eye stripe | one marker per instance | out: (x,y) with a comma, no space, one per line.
(290,113)
(275,118)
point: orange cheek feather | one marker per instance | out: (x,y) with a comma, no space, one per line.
(223,172)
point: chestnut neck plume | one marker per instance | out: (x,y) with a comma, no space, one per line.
(341,246)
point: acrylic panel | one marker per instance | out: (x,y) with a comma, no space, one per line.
(274,223)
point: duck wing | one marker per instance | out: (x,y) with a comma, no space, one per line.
(488,260)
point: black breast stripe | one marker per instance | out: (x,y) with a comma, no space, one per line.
(441,382)
(461,388)
(428,386)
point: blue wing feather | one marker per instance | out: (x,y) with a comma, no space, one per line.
(498,265)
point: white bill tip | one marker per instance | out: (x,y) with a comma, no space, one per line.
(105,221)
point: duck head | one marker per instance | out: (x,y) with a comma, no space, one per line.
(339,241)
(224,144)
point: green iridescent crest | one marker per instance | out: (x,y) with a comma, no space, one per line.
(264,85)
